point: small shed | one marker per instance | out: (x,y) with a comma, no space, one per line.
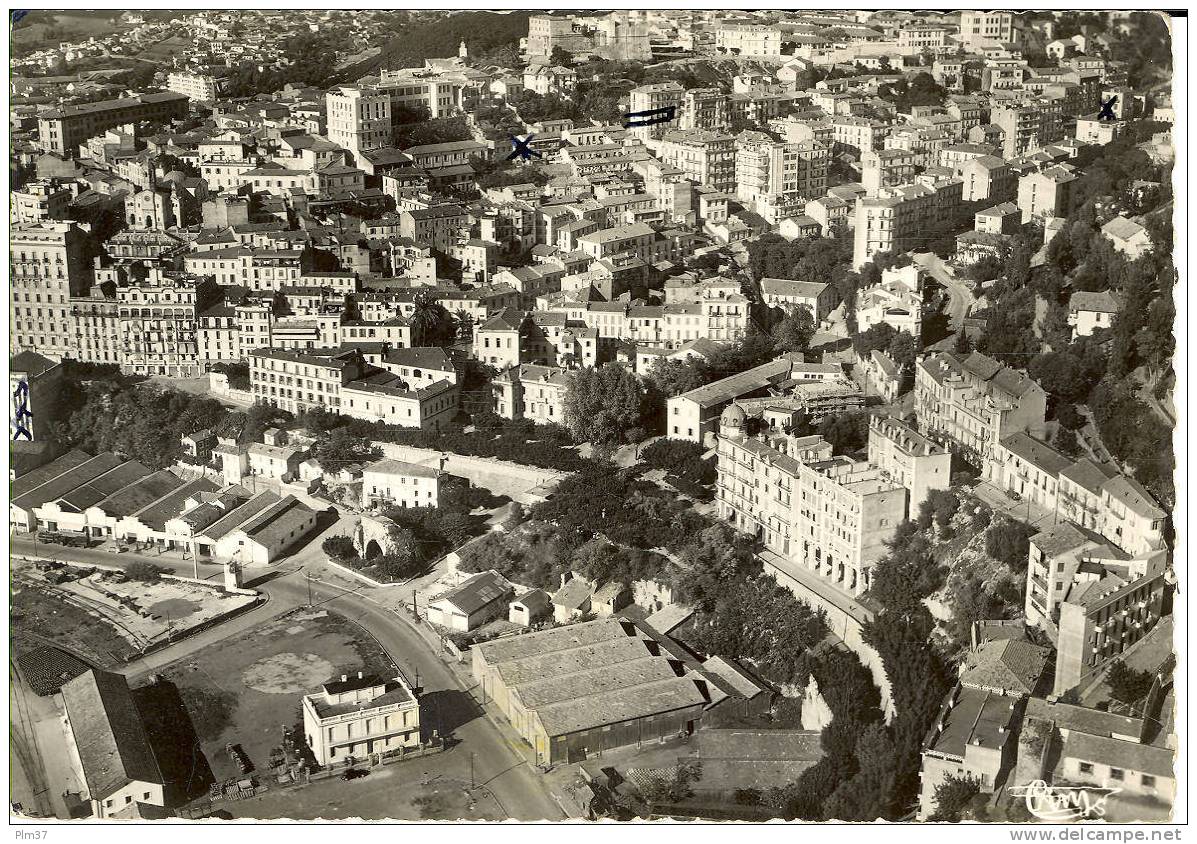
(530,608)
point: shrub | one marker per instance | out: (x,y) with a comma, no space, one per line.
(339,547)
(143,571)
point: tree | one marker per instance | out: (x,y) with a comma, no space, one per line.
(794,332)
(238,374)
(601,404)
(847,432)
(952,796)
(1069,417)
(342,448)
(963,345)
(431,323)
(279,305)
(869,794)
(904,349)
(878,337)
(340,547)
(350,312)
(1126,684)
(1009,542)
(673,377)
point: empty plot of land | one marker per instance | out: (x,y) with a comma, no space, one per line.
(244,691)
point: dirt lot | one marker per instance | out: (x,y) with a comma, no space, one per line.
(245,691)
(36,615)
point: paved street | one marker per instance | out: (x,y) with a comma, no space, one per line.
(499,758)
(960,298)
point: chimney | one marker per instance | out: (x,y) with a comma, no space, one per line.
(344,677)
(359,675)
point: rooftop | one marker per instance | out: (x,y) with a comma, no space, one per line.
(479,591)
(114,749)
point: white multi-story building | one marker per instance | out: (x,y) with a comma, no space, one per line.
(48,264)
(708,158)
(659,95)
(749,40)
(975,402)
(358,119)
(979,28)
(832,515)
(201,87)
(359,718)
(397,482)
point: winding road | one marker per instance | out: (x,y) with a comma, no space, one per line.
(501,762)
(960,298)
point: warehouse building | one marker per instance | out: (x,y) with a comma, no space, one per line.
(577,690)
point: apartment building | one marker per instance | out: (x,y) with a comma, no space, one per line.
(38,202)
(438,226)
(768,172)
(857,135)
(1091,598)
(414,89)
(201,87)
(401,484)
(831,514)
(257,269)
(913,461)
(889,168)
(707,158)
(975,403)
(296,381)
(903,218)
(651,98)
(748,40)
(398,402)
(49,264)
(361,718)
(987,177)
(705,109)
(62,129)
(1028,126)
(816,296)
(532,392)
(979,28)
(1046,192)
(358,118)
(158,324)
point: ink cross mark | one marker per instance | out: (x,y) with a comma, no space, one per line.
(1107,109)
(520,148)
(22,414)
(647,118)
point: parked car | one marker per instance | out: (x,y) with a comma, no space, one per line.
(354,773)
(1014,496)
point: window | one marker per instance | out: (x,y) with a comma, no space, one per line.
(1086,768)
(1116,774)
(1147,780)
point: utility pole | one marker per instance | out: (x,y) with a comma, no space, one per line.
(308,576)
(472,786)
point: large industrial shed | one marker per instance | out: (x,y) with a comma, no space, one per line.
(577,690)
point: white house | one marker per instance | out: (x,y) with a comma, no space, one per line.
(1087,312)
(357,717)
(471,604)
(401,483)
